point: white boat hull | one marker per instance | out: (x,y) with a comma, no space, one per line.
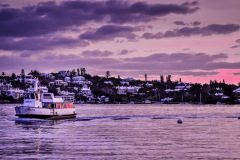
(45,113)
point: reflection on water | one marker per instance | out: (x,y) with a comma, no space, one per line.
(125,132)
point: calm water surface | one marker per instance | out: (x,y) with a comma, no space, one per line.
(125,132)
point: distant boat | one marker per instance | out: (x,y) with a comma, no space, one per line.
(147,102)
(44,106)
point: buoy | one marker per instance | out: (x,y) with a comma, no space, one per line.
(179,121)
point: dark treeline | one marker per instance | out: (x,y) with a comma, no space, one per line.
(163,90)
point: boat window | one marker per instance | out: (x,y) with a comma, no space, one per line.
(26,96)
(47,96)
(48,105)
(29,96)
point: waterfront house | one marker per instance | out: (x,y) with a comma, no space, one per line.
(108,82)
(29,79)
(67,79)
(16,93)
(237,94)
(60,83)
(124,83)
(67,96)
(5,86)
(237,91)
(85,90)
(167,100)
(64,73)
(43,89)
(79,80)
(149,85)
(47,75)
(123,90)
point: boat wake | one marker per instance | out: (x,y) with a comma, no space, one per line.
(32,121)
(158,117)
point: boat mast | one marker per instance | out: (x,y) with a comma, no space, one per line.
(36,85)
(200,98)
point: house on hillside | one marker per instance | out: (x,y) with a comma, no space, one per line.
(64,73)
(79,80)
(16,93)
(237,94)
(86,91)
(108,82)
(60,83)
(123,90)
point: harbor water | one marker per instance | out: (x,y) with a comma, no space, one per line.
(129,132)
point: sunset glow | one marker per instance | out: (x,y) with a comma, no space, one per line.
(198,41)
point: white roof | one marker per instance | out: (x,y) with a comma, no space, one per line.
(128,87)
(219,94)
(58,80)
(16,90)
(237,90)
(169,90)
(85,88)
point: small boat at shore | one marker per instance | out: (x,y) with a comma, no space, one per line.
(42,105)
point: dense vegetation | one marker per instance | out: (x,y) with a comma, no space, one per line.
(204,93)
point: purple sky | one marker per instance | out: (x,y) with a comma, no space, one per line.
(195,40)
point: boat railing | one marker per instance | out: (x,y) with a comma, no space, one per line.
(63,105)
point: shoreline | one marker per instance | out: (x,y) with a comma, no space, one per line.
(136,103)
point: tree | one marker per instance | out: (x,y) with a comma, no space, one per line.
(169,79)
(83,71)
(73,72)
(108,74)
(23,75)
(71,76)
(145,76)
(78,71)
(35,73)
(3,74)
(13,76)
(162,79)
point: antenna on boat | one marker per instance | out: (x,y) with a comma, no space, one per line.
(36,85)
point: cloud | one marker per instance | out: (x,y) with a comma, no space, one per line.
(97,53)
(213,29)
(49,17)
(109,32)
(200,64)
(179,23)
(177,62)
(4,5)
(163,9)
(196,23)
(51,62)
(236,45)
(123,52)
(41,43)
(182,23)
(141,11)
(178,57)
(195,73)
(236,74)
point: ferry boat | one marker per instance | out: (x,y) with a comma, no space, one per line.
(42,105)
